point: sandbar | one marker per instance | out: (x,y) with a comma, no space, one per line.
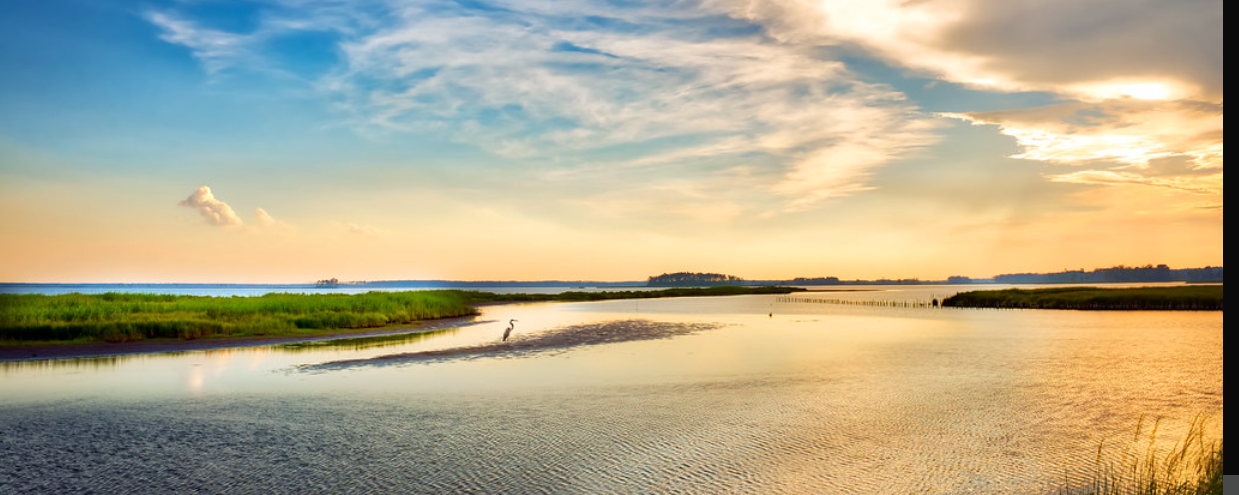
(556,340)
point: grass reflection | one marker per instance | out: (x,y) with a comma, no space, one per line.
(361,343)
(97,363)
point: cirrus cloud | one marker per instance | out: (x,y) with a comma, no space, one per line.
(664,91)
(626,87)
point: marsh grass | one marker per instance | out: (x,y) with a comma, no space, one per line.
(1193,466)
(122,317)
(1192,297)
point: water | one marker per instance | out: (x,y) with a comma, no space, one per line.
(226,290)
(748,394)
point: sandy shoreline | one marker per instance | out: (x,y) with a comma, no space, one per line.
(141,347)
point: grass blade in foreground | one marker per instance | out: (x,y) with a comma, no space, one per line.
(1193,466)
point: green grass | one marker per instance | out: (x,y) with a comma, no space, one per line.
(1191,467)
(123,317)
(1192,297)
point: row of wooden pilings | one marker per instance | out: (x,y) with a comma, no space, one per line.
(860,302)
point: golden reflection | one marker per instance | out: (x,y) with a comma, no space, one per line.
(219,358)
(195,381)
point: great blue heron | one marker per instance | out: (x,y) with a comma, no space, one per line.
(506,333)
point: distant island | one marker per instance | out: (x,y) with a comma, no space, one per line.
(689,279)
(1116,274)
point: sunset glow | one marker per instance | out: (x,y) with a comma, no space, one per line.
(289,141)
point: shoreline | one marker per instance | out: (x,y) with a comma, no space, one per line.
(36,353)
(140,323)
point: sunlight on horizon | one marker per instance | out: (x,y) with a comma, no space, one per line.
(289,142)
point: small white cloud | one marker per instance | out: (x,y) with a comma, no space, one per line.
(215,211)
(265,218)
(365,230)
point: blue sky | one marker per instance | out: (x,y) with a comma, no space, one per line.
(293,140)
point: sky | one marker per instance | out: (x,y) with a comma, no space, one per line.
(288,141)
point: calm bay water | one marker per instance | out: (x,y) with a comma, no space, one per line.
(748,394)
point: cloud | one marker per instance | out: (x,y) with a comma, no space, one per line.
(365,230)
(1108,177)
(626,87)
(1092,49)
(522,84)
(648,92)
(265,219)
(216,50)
(216,212)
(843,167)
(1133,132)
(1172,144)
(1099,47)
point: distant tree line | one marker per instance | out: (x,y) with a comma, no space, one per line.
(816,281)
(681,279)
(1117,274)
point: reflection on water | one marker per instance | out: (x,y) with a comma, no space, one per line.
(77,363)
(776,396)
(310,346)
(361,343)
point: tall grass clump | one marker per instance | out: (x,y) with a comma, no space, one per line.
(1193,466)
(122,317)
